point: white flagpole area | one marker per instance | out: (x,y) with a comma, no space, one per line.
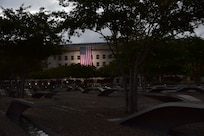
(85,55)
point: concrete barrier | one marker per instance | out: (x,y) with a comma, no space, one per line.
(164,117)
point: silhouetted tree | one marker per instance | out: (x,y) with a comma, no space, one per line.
(195,57)
(26,39)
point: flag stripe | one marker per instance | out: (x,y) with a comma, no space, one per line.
(85,56)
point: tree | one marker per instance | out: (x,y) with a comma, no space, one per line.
(27,39)
(82,71)
(74,70)
(135,27)
(169,58)
(110,70)
(195,57)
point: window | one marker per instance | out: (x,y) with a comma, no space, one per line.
(97,56)
(78,57)
(65,58)
(104,56)
(104,63)
(97,64)
(72,57)
(65,64)
(60,64)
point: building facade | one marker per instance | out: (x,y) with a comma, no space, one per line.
(96,54)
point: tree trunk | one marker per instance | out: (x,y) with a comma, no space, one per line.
(126,91)
(17,87)
(22,87)
(197,73)
(132,95)
(144,82)
(135,91)
(197,78)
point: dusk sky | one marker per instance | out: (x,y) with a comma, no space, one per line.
(87,37)
(54,5)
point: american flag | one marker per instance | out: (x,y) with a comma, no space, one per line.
(85,56)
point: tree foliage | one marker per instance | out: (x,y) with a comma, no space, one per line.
(26,39)
(110,70)
(75,71)
(30,35)
(169,58)
(194,57)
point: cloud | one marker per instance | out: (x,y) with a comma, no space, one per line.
(200,31)
(52,5)
(87,37)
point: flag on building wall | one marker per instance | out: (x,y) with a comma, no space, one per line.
(85,55)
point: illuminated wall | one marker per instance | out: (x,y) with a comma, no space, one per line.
(101,55)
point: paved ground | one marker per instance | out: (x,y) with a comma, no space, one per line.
(78,114)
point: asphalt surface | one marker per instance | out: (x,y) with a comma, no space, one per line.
(76,114)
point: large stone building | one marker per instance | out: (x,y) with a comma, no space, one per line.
(96,54)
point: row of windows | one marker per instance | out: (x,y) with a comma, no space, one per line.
(97,64)
(78,57)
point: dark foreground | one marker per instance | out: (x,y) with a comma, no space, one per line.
(78,114)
